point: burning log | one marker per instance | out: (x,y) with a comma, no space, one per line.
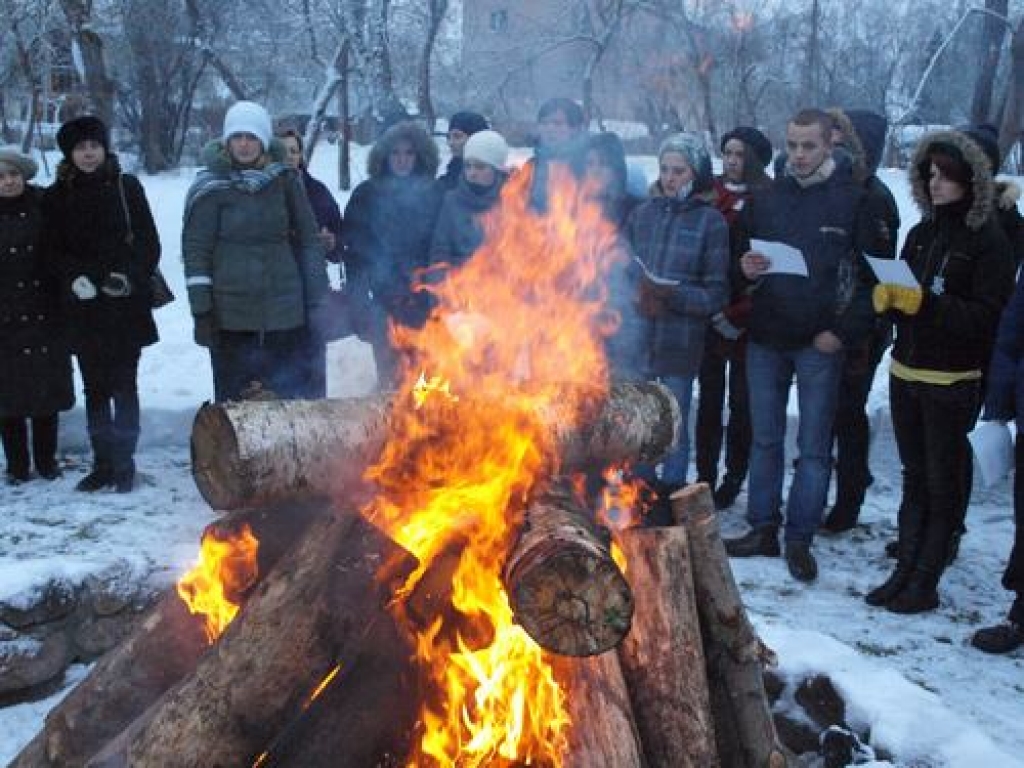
(605,735)
(163,650)
(565,589)
(321,605)
(736,656)
(662,657)
(255,452)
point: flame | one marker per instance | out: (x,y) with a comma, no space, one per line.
(511,328)
(226,568)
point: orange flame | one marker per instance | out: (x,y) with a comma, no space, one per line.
(226,568)
(515,324)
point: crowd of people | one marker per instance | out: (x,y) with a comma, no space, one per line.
(710,296)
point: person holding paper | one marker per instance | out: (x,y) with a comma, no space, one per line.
(681,246)
(799,327)
(745,154)
(1004,400)
(945,328)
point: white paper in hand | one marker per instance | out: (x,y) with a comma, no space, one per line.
(992,444)
(784,259)
(892,271)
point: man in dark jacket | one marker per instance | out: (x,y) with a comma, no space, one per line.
(862,134)
(461,126)
(799,326)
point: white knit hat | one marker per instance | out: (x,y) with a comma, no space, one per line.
(248,117)
(487,147)
(14,158)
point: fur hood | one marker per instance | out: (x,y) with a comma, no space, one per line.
(423,144)
(982,186)
(217,160)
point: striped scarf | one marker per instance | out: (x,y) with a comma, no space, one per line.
(249,180)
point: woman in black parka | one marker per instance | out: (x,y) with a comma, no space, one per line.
(104,249)
(35,378)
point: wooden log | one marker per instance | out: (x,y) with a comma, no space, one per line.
(564,588)
(323,602)
(603,733)
(662,657)
(735,653)
(253,452)
(164,649)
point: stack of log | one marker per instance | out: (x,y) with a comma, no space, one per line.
(660,665)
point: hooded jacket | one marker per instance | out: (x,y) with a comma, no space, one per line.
(964,264)
(250,245)
(389,224)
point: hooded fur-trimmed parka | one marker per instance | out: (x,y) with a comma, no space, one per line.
(961,258)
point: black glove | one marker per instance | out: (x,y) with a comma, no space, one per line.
(205,331)
(116,285)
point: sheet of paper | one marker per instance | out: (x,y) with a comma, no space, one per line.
(785,259)
(992,444)
(895,271)
(656,279)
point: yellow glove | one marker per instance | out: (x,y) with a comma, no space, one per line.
(882,297)
(906,300)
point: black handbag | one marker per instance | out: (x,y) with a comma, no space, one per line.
(159,291)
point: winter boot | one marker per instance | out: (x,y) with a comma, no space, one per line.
(101,476)
(801,563)
(758,542)
(918,596)
(44,447)
(888,589)
(840,519)
(15,439)
(124,477)
(1001,638)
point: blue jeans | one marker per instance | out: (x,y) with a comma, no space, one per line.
(673,467)
(769,375)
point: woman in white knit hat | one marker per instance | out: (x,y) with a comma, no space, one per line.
(484,172)
(35,378)
(254,262)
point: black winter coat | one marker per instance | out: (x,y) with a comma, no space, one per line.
(35,366)
(88,235)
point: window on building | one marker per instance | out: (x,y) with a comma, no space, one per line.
(499,21)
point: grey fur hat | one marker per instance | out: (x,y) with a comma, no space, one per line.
(21,162)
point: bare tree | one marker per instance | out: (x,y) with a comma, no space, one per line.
(993,33)
(436,10)
(100,86)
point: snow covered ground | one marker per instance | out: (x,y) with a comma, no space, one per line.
(927,696)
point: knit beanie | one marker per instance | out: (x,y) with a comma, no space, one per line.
(12,157)
(986,136)
(690,146)
(487,147)
(248,117)
(468,122)
(84,128)
(754,139)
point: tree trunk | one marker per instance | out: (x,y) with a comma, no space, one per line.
(735,654)
(436,10)
(163,650)
(1012,123)
(662,657)
(564,588)
(993,32)
(94,68)
(255,452)
(323,604)
(604,733)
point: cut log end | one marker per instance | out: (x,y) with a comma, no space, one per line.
(214,448)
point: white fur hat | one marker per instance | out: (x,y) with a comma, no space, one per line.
(248,117)
(487,147)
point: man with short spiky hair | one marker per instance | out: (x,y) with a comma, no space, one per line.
(799,327)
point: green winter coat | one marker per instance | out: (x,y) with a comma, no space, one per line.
(250,245)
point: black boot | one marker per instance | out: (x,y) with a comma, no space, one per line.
(888,589)
(840,519)
(726,493)
(1001,638)
(918,596)
(15,439)
(124,477)
(758,542)
(101,476)
(801,563)
(44,446)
